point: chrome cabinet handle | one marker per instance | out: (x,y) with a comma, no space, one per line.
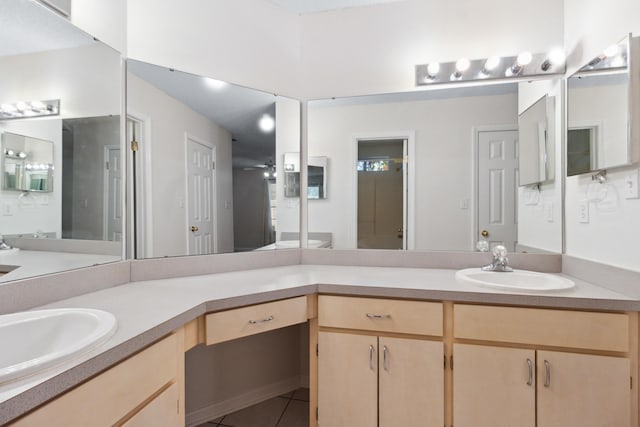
(266,319)
(378,316)
(530,380)
(385,363)
(371,351)
(547,369)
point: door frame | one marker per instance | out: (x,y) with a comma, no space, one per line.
(105,189)
(144,183)
(475,140)
(214,203)
(408,180)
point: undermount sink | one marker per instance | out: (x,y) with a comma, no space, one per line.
(523,280)
(33,341)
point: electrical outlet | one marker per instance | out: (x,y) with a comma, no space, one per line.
(583,212)
(631,184)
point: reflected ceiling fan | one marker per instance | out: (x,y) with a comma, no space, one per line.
(269,168)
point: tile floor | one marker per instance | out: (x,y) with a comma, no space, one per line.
(289,410)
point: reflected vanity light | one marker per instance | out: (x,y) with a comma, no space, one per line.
(525,64)
(23,109)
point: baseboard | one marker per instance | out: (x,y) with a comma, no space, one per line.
(242,401)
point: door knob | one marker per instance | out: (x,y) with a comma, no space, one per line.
(484,233)
(194,228)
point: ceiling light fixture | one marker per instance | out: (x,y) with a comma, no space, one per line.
(267,123)
(215,84)
(23,109)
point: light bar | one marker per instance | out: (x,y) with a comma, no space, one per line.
(23,109)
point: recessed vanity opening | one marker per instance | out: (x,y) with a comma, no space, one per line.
(382,193)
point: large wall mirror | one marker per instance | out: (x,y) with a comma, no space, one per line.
(209,164)
(426,170)
(599,106)
(60,97)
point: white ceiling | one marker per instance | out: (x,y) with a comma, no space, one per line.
(27,27)
(313,6)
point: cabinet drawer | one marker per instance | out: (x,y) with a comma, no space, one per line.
(241,322)
(378,314)
(110,396)
(558,328)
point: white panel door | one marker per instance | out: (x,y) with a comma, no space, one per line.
(497,187)
(200,196)
(113,205)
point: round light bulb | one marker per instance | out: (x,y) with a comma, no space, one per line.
(462,65)
(612,50)
(38,105)
(266,123)
(557,56)
(524,58)
(266,174)
(433,69)
(492,63)
(21,106)
(8,108)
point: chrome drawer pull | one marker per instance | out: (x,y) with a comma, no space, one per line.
(530,380)
(547,368)
(371,350)
(266,319)
(385,362)
(378,316)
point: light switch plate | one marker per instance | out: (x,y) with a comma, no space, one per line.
(631,184)
(583,212)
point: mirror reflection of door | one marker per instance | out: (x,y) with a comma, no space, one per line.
(200,196)
(381,190)
(497,187)
(113,194)
(88,212)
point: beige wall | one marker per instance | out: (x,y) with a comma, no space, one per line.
(170,120)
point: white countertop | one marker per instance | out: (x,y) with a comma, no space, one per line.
(37,263)
(148,310)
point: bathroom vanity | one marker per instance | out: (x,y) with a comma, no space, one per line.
(452,353)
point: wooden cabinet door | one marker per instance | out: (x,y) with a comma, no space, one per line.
(347,380)
(493,386)
(411,382)
(583,390)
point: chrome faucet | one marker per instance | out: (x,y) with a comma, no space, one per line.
(500,260)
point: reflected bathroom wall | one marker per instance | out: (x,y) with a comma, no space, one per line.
(233,201)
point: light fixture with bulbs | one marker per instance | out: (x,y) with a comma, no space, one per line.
(24,109)
(524,64)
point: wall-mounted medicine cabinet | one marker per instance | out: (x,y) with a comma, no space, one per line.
(601,132)
(536,139)
(316,173)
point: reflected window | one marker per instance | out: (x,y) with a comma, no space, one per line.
(373,165)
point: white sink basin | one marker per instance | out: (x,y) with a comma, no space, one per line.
(33,341)
(288,244)
(523,280)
